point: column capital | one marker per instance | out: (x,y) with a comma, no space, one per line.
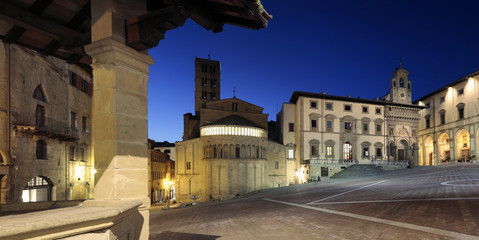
(108,51)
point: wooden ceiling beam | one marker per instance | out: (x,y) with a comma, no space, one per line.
(34,22)
(80,17)
(39,6)
(14,34)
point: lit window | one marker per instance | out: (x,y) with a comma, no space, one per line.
(365,151)
(291,153)
(329,150)
(348,151)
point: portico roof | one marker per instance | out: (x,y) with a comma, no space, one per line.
(62,28)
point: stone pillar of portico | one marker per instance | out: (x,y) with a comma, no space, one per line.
(119,111)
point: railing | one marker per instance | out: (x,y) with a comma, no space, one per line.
(44,126)
(390,162)
(333,161)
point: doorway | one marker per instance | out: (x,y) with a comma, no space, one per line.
(400,154)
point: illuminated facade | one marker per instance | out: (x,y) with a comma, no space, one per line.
(45,127)
(449,124)
(161,173)
(226,151)
(327,133)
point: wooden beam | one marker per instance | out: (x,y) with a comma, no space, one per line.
(14,34)
(34,22)
(39,6)
(145,31)
(80,17)
(51,47)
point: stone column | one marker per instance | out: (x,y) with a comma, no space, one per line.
(120,110)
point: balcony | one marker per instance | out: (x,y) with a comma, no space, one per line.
(30,123)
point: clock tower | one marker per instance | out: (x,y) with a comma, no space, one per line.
(400,91)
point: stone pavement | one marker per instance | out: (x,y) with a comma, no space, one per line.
(421,203)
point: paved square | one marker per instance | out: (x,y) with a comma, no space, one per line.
(426,203)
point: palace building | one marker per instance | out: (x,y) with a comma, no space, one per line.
(449,123)
(328,132)
(226,151)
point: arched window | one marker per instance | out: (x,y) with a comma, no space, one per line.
(38,189)
(39,94)
(401,82)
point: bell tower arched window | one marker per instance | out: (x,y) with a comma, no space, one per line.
(401,82)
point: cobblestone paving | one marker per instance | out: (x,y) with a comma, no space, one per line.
(427,203)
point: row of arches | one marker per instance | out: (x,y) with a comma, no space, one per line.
(234,151)
(444,149)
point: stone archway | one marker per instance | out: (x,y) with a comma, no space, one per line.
(463,146)
(38,189)
(428,158)
(443,148)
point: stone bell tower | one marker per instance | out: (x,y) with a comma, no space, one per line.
(401,86)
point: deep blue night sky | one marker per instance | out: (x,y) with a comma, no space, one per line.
(340,47)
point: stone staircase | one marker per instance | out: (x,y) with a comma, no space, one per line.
(359,171)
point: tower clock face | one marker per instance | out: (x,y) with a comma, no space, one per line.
(402,94)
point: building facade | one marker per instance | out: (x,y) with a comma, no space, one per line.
(449,123)
(327,133)
(226,151)
(161,171)
(45,125)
